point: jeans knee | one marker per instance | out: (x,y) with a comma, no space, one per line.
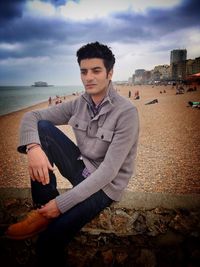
(44,125)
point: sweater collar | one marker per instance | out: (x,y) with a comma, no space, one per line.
(110,94)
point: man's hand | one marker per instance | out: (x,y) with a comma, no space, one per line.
(50,210)
(39,165)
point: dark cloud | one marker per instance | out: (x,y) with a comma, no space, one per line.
(11,9)
(58,2)
(42,36)
(163,21)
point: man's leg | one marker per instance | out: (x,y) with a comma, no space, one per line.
(60,151)
(59,232)
(64,153)
(52,242)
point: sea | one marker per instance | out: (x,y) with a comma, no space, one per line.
(14,98)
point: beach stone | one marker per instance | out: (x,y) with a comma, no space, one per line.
(170,238)
(108,257)
(102,221)
(183,223)
(195,255)
(119,221)
(105,219)
(140,224)
(147,258)
(156,223)
(121,257)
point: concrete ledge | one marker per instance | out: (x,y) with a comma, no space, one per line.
(148,201)
(130,199)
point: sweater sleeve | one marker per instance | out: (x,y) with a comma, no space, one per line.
(125,137)
(58,115)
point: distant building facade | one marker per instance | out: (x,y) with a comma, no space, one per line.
(133,78)
(138,76)
(178,70)
(178,59)
(190,67)
(197,65)
(130,80)
(146,77)
(193,66)
(178,55)
(161,73)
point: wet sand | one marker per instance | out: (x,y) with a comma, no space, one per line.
(168,152)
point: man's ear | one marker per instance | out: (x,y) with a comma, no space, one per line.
(110,74)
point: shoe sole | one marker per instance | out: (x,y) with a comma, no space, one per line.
(21,237)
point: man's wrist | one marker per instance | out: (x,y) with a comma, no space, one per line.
(31,146)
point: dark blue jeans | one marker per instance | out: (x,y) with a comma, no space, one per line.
(62,152)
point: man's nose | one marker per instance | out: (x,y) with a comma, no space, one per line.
(89,76)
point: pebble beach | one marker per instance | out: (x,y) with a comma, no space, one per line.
(168,157)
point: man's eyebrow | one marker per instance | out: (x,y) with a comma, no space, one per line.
(95,68)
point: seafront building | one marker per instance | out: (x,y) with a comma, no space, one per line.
(193,66)
(161,73)
(138,76)
(179,69)
(178,58)
(178,55)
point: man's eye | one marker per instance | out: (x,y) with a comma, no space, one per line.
(97,71)
(83,72)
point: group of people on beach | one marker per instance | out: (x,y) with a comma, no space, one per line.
(136,94)
(57,100)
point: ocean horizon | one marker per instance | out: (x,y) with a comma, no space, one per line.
(15,98)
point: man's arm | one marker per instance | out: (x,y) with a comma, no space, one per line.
(38,163)
(125,137)
(58,115)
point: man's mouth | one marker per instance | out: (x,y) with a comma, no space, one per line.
(90,85)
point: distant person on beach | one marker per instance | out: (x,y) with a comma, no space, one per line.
(50,101)
(58,100)
(194,104)
(154,101)
(137,96)
(99,167)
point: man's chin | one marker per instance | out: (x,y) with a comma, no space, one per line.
(91,91)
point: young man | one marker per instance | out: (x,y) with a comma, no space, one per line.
(99,167)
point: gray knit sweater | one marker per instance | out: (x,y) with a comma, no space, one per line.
(108,143)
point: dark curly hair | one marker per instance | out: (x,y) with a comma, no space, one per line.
(97,50)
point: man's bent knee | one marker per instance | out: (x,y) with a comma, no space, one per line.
(45,128)
(44,124)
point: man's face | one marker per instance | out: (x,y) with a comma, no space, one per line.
(94,76)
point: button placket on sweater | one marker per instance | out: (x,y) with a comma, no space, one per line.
(92,128)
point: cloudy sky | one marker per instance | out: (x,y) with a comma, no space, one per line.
(39,38)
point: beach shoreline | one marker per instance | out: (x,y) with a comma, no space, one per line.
(16,98)
(168,151)
(27,108)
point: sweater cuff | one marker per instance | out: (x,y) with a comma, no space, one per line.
(65,201)
(26,139)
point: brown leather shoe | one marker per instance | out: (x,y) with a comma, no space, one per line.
(33,224)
